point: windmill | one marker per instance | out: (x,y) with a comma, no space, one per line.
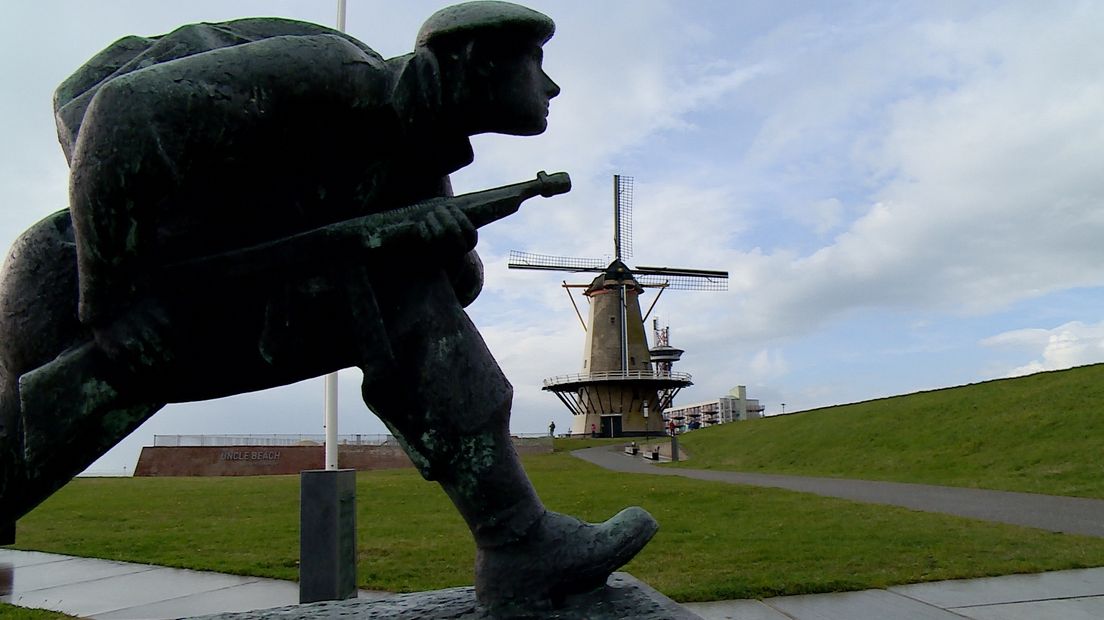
(619,393)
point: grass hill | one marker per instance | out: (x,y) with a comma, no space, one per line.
(1042,433)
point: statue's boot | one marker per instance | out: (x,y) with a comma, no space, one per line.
(558,556)
(527,557)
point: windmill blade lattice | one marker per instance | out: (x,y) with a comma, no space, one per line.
(545,262)
(622,216)
(683,283)
(682,279)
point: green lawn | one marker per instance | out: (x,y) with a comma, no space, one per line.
(1043,433)
(716,541)
(12,612)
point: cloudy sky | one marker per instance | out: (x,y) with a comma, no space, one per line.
(908,195)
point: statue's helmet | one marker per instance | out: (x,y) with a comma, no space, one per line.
(484,18)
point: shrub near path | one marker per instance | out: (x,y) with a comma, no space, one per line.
(1042,433)
(716,541)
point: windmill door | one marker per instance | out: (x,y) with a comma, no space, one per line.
(611,426)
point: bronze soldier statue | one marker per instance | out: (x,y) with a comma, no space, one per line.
(257,202)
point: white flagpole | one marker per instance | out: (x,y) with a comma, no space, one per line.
(341,15)
(330,397)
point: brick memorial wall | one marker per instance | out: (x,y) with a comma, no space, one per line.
(276,460)
(260,460)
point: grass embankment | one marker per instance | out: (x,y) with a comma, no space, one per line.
(1042,433)
(716,541)
(12,612)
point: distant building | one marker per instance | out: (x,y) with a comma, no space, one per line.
(732,407)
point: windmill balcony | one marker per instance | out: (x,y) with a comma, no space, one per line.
(589,378)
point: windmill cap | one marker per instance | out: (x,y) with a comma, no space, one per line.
(485,17)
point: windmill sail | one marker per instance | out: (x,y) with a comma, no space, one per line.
(682,283)
(682,279)
(544,262)
(622,216)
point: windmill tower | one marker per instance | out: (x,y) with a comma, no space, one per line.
(619,393)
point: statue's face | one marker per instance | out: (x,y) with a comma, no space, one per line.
(518,93)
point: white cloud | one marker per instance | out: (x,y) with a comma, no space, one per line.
(1065,346)
(767,365)
(824,216)
(1030,338)
(982,158)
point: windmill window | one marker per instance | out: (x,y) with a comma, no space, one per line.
(613,320)
(632,360)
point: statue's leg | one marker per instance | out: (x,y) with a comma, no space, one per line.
(70,433)
(58,419)
(50,434)
(446,399)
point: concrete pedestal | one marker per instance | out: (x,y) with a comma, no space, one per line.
(327,536)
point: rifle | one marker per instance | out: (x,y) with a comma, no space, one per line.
(369,233)
(72,414)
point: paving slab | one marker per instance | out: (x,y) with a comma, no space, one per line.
(261,594)
(17,559)
(98,596)
(863,605)
(1091,608)
(1008,589)
(244,597)
(736,610)
(28,578)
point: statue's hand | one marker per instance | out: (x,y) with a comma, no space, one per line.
(445,231)
(137,339)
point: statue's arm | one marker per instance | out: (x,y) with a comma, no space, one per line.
(441,227)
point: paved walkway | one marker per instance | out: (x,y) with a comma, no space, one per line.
(1071,515)
(103,590)
(1060,595)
